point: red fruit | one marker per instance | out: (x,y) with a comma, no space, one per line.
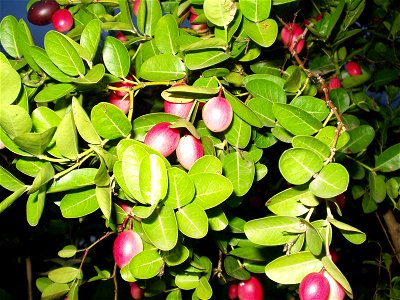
(217,114)
(189,150)
(119,35)
(233,291)
(250,289)
(340,200)
(334,83)
(62,20)
(40,12)
(179,109)
(334,256)
(336,290)
(353,68)
(162,138)
(136,291)
(120,102)
(126,245)
(122,85)
(136,7)
(127,208)
(314,286)
(289,35)
(201,28)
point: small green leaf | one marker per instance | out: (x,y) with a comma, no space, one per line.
(35,206)
(45,174)
(351,233)
(176,256)
(67,251)
(67,137)
(90,37)
(16,121)
(35,143)
(187,281)
(255,10)
(9,181)
(360,138)
(180,188)
(9,36)
(264,33)
(205,58)
(331,181)
(377,187)
(162,67)
(116,57)
(83,123)
(389,160)
(192,221)
(146,264)
(220,12)
(10,83)
(206,164)
(204,290)
(64,274)
(166,34)
(79,204)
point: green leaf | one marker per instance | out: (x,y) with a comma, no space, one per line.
(79,203)
(340,99)
(187,281)
(313,144)
(211,189)
(24,41)
(180,188)
(45,174)
(12,198)
(83,123)
(314,106)
(146,264)
(274,230)
(9,36)
(162,67)
(377,187)
(176,256)
(149,14)
(314,240)
(94,75)
(217,219)
(204,290)
(264,33)
(103,196)
(54,91)
(331,181)
(219,12)
(64,274)
(67,137)
(16,121)
(242,111)
(109,121)
(291,269)
(351,233)
(290,202)
(296,120)
(161,228)
(238,133)
(90,37)
(63,54)
(166,34)
(153,179)
(205,58)
(10,83)
(255,10)
(389,160)
(299,165)
(240,171)
(266,89)
(35,143)
(263,109)
(250,253)
(35,206)
(9,181)
(67,251)
(360,138)
(116,57)
(334,271)
(206,164)
(327,135)
(54,291)
(192,221)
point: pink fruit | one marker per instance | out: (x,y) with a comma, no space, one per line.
(334,256)
(201,28)
(136,7)
(233,291)
(179,109)
(162,138)
(336,290)
(189,150)
(127,208)
(40,12)
(314,286)
(123,86)
(136,291)
(119,35)
(120,102)
(217,114)
(62,20)
(353,68)
(334,83)
(250,289)
(126,245)
(289,35)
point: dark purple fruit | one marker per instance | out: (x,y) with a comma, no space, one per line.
(40,13)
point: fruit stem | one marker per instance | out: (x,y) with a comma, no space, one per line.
(91,246)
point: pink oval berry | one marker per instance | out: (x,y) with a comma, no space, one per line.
(189,150)
(314,286)
(62,20)
(217,114)
(163,138)
(289,34)
(353,68)
(334,83)
(126,245)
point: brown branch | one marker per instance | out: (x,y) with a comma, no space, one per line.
(393,227)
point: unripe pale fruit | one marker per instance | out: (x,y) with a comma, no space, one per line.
(217,114)
(120,102)
(314,286)
(353,68)
(289,35)
(233,291)
(179,109)
(334,83)
(126,245)
(250,289)
(136,291)
(162,138)
(336,290)
(189,150)
(62,20)
(40,12)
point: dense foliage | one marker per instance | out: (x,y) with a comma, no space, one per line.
(280,151)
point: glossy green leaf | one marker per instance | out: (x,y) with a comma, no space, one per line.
(313,144)
(176,256)
(9,36)
(16,121)
(204,59)
(166,34)
(296,120)
(264,33)
(314,106)
(233,268)
(255,10)
(10,83)
(44,118)
(109,121)
(162,67)
(340,99)
(334,271)
(290,202)
(351,233)
(148,16)
(153,179)
(93,76)
(35,206)
(219,12)
(331,181)
(103,196)
(299,165)
(204,289)
(12,198)
(116,57)
(90,37)
(78,204)
(9,181)
(180,188)
(291,269)
(250,253)
(238,133)
(54,92)
(314,240)
(29,166)
(67,137)
(266,89)
(240,171)
(45,174)
(211,189)
(360,138)
(206,164)
(272,231)
(187,281)
(35,143)
(242,111)
(67,251)
(263,109)
(161,228)
(327,135)
(146,264)
(55,290)
(64,274)
(63,54)
(377,187)
(389,160)
(211,43)
(192,221)
(83,123)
